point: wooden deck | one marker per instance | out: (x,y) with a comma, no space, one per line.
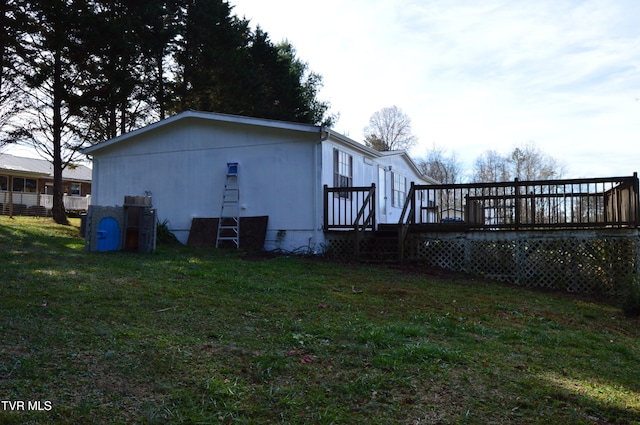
(542,204)
(519,205)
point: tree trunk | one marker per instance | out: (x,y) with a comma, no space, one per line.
(58,211)
(161,95)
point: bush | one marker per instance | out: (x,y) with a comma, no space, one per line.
(631,297)
(164,235)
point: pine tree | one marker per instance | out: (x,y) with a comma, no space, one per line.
(10,46)
(47,63)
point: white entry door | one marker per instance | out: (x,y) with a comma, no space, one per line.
(382,194)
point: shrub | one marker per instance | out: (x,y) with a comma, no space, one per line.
(631,297)
(164,235)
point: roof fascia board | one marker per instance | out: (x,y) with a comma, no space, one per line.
(263,122)
(412,164)
(22,173)
(212,116)
(353,144)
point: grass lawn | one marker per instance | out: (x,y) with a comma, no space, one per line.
(205,336)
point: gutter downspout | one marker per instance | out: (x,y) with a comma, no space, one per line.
(317,178)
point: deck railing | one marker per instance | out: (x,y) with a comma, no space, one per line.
(526,205)
(345,202)
(20,203)
(23,203)
(71,203)
(407,217)
(349,208)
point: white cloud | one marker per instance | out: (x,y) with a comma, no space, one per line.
(478,75)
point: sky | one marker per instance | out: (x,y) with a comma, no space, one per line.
(478,75)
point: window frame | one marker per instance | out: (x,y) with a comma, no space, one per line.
(342,172)
(398,190)
(22,188)
(30,185)
(14,187)
(73,191)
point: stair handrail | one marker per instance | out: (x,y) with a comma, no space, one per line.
(370,220)
(403,225)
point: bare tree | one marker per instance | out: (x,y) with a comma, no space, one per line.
(491,167)
(528,162)
(441,166)
(389,129)
(525,162)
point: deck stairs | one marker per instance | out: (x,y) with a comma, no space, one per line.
(381,246)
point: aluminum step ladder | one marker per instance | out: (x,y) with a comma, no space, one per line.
(229,224)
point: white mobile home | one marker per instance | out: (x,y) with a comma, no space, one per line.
(282,170)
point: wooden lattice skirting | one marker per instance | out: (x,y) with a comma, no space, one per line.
(583,261)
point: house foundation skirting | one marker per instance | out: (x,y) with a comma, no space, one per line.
(581,261)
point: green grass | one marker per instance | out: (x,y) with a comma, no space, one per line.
(205,336)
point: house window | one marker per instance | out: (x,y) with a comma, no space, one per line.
(30,185)
(399,190)
(18,184)
(342,171)
(75,189)
(4,183)
(21,184)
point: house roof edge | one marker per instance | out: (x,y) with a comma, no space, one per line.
(214,116)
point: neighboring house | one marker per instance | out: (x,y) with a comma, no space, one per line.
(282,169)
(26,186)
